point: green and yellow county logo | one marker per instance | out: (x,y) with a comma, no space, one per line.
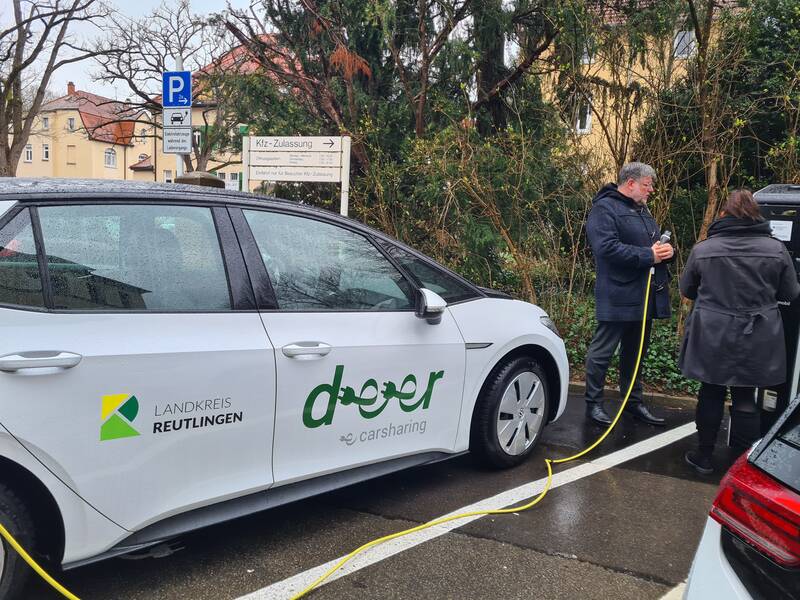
(367,399)
(117,413)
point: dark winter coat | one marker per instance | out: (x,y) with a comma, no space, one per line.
(734,335)
(621,234)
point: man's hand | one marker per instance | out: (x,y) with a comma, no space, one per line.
(662,252)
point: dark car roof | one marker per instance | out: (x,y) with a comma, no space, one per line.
(24,189)
(778,193)
(21,188)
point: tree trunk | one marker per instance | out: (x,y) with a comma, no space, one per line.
(490,44)
(712,204)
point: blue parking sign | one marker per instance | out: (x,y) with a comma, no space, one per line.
(176,89)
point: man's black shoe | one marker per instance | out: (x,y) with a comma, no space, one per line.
(640,411)
(700,462)
(596,412)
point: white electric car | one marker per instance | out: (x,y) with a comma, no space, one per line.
(176,356)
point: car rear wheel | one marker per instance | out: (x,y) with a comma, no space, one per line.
(17,520)
(511,413)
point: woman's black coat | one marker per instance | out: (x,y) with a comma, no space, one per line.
(734,335)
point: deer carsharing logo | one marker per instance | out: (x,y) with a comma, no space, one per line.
(117,413)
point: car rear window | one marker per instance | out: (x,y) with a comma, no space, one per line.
(780,457)
(20,281)
(134,257)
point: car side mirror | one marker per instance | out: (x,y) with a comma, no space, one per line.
(430,306)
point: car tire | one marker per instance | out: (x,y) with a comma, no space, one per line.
(14,572)
(499,437)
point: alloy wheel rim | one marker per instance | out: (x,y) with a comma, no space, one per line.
(521,413)
(2,556)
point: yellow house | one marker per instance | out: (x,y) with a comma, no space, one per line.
(612,93)
(83,135)
(87,136)
(604,123)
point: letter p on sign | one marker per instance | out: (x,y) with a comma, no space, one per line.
(176,89)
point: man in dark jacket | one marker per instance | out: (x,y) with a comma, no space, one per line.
(625,241)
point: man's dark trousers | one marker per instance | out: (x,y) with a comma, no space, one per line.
(607,336)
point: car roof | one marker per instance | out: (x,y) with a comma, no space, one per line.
(778,193)
(23,189)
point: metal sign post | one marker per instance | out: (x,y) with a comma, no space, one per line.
(319,158)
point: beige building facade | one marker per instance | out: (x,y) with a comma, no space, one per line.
(85,136)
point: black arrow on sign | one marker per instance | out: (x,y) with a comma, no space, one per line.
(329,143)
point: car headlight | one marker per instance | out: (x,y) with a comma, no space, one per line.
(548,322)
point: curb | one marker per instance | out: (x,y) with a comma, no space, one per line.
(579,387)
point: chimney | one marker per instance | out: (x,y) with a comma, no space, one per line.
(70,88)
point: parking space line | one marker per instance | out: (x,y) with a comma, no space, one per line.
(675,593)
(294,584)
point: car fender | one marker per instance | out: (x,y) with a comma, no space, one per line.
(86,531)
(506,325)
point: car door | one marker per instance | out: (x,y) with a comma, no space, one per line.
(136,367)
(360,378)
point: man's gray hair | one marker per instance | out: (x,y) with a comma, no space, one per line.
(635,171)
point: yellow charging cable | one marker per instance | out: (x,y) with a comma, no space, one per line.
(502,511)
(34,565)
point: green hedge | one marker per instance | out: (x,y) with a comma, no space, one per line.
(660,368)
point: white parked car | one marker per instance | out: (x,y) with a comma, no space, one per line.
(750,548)
(175,356)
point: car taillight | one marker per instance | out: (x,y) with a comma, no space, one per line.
(760,510)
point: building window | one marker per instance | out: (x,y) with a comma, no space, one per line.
(71,155)
(45,151)
(684,44)
(71,123)
(110,158)
(45,122)
(167,176)
(235,176)
(220,174)
(28,153)
(583,122)
(143,156)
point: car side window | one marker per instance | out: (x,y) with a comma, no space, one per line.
(20,281)
(134,257)
(317,266)
(428,276)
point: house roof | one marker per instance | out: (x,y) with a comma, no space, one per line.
(238,60)
(104,119)
(146,164)
(614,12)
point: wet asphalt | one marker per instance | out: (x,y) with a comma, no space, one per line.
(626,532)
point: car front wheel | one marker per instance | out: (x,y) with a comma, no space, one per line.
(511,413)
(17,520)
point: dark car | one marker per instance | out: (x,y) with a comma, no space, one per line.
(751,544)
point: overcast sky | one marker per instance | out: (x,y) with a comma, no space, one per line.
(80,73)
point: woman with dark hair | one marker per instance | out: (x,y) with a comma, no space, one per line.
(734,335)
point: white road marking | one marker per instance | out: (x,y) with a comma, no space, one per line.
(292,585)
(675,593)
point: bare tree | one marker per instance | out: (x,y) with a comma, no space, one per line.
(136,52)
(31,50)
(414,51)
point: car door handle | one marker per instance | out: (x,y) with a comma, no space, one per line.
(306,350)
(41,359)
